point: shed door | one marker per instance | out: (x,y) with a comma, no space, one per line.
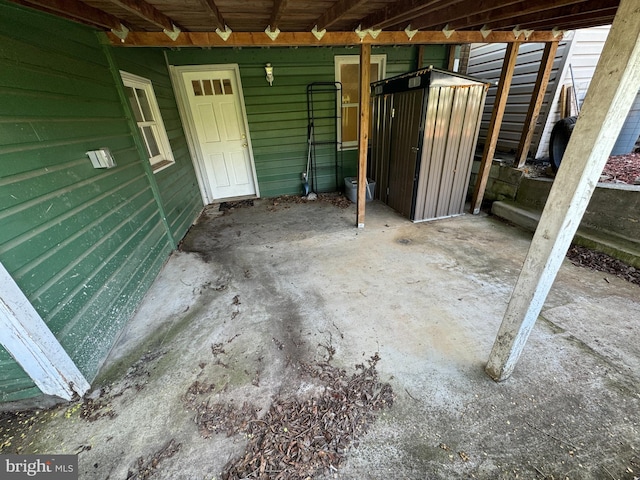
(405,134)
(221,138)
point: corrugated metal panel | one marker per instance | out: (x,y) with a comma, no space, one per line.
(453,120)
(468,138)
(277,115)
(380,143)
(436,161)
(485,62)
(403,151)
(83,244)
(425,204)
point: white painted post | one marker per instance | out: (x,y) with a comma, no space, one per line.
(615,84)
(27,338)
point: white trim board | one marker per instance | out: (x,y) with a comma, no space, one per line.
(27,338)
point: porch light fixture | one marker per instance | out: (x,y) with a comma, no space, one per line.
(268,69)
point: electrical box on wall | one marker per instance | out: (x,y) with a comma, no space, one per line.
(101,158)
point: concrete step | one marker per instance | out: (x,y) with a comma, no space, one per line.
(624,249)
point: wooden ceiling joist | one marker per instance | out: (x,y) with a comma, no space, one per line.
(516,13)
(337,11)
(457,16)
(146,12)
(279,7)
(214,13)
(78,11)
(306,39)
(403,12)
(338,15)
(601,17)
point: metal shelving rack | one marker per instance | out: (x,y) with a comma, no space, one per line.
(324,114)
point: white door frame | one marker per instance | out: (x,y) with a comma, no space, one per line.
(190,129)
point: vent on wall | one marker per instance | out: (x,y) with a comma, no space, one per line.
(101,158)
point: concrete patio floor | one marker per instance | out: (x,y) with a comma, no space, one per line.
(276,284)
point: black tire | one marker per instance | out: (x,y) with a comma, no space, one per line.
(559,140)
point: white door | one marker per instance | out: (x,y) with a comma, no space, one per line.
(214,105)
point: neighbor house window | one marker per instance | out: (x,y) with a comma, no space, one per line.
(143,102)
(348,73)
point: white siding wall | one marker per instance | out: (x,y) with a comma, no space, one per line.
(582,57)
(485,62)
(580,49)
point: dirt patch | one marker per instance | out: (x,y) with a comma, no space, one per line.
(225,206)
(602,262)
(300,435)
(336,199)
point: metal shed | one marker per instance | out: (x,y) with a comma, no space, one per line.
(424,132)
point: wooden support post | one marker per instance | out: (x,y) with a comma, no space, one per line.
(508,65)
(537,97)
(420,56)
(363,134)
(452,58)
(29,341)
(615,83)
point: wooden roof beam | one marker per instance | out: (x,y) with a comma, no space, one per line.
(279,7)
(78,11)
(307,39)
(456,16)
(214,13)
(147,12)
(337,11)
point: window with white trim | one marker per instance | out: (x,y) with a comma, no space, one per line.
(348,73)
(145,109)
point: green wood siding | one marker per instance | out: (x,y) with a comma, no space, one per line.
(277,115)
(177,184)
(83,244)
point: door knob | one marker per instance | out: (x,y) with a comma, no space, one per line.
(244,145)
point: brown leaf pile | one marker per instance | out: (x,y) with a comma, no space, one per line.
(298,438)
(602,262)
(623,168)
